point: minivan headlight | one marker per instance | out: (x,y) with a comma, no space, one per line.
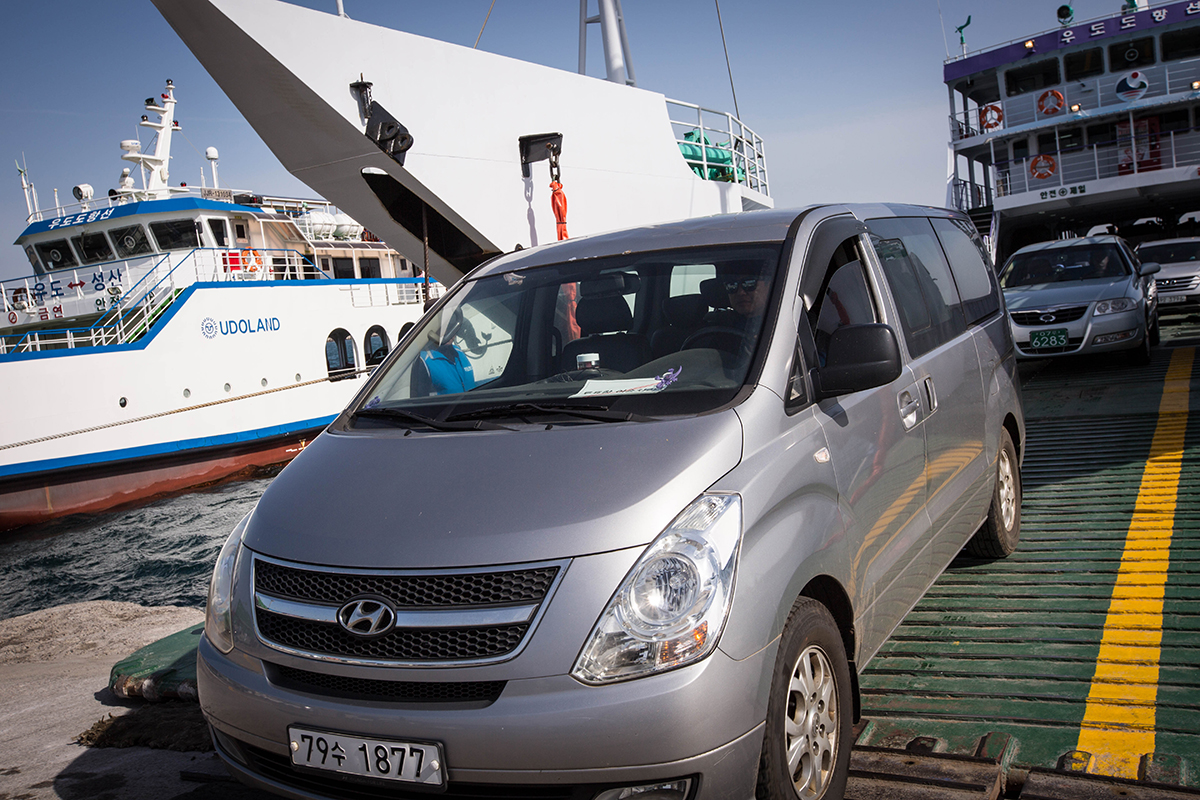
(218,613)
(1114,306)
(671,607)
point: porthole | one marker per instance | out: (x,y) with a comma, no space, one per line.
(187,393)
(121,402)
(263,382)
(297,377)
(227,387)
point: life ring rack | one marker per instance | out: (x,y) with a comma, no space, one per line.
(1042,167)
(1050,102)
(991,116)
(252,260)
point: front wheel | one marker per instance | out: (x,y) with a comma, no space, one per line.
(806,745)
(1002,529)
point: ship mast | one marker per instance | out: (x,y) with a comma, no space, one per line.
(611,20)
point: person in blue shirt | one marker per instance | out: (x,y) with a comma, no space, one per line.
(447,370)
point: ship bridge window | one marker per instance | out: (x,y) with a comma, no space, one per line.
(31,254)
(1032,77)
(218,230)
(1084,63)
(175,234)
(92,248)
(369,267)
(130,241)
(376,345)
(56,254)
(1180,44)
(343,267)
(339,355)
(1127,55)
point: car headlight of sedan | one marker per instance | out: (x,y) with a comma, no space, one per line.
(670,609)
(218,613)
(1114,306)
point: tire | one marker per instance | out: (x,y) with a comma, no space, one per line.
(811,682)
(1140,355)
(1001,531)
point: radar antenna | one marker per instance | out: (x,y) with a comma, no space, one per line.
(962,37)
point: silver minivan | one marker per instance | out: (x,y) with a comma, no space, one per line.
(625,516)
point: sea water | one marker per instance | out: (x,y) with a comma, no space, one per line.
(159,554)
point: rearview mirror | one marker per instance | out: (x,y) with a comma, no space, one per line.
(859,357)
(1148,268)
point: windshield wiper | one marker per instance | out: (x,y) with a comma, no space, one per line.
(400,415)
(522,410)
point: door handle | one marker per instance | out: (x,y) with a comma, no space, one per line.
(910,407)
(930,393)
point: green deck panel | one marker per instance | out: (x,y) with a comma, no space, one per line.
(1010,646)
(162,670)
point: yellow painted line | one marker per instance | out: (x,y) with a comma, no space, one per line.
(1118,723)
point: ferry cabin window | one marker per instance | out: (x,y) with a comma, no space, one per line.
(219,232)
(376,345)
(339,355)
(369,267)
(92,248)
(343,267)
(1032,77)
(1083,64)
(973,273)
(56,254)
(239,232)
(1101,134)
(1177,120)
(175,234)
(1127,55)
(1020,149)
(1068,139)
(130,241)
(919,277)
(1179,44)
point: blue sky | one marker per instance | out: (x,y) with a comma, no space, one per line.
(848,97)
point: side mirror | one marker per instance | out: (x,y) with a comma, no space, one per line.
(1148,268)
(859,357)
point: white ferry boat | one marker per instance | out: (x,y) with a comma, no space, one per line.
(1091,125)
(421,140)
(168,337)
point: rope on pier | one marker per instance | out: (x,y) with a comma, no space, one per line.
(175,411)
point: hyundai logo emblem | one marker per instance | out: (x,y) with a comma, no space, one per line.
(1047,318)
(366,616)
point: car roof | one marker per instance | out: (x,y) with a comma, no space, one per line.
(1066,244)
(1180,240)
(740,228)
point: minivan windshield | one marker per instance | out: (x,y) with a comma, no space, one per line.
(1088,262)
(645,335)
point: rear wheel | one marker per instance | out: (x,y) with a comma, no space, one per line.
(806,746)
(1002,529)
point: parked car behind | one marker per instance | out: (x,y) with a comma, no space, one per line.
(625,515)
(1079,296)
(1178,282)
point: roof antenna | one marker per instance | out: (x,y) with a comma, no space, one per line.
(721,25)
(942,20)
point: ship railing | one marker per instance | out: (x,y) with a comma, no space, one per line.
(73,292)
(967,195)
(100,203)
(718,146)
(1073,168)
(1175,78)
(134,305)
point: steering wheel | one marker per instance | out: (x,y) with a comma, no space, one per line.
(722,337)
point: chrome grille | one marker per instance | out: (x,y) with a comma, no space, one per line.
(1177,284)
(1049,316)
(443,618)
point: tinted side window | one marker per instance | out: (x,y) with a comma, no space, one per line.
(920,280)
(175,234)
(846,299)
(972,271)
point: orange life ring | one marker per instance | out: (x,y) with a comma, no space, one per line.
(1051,102)
(252,260)
(991,116)
(1042,167)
